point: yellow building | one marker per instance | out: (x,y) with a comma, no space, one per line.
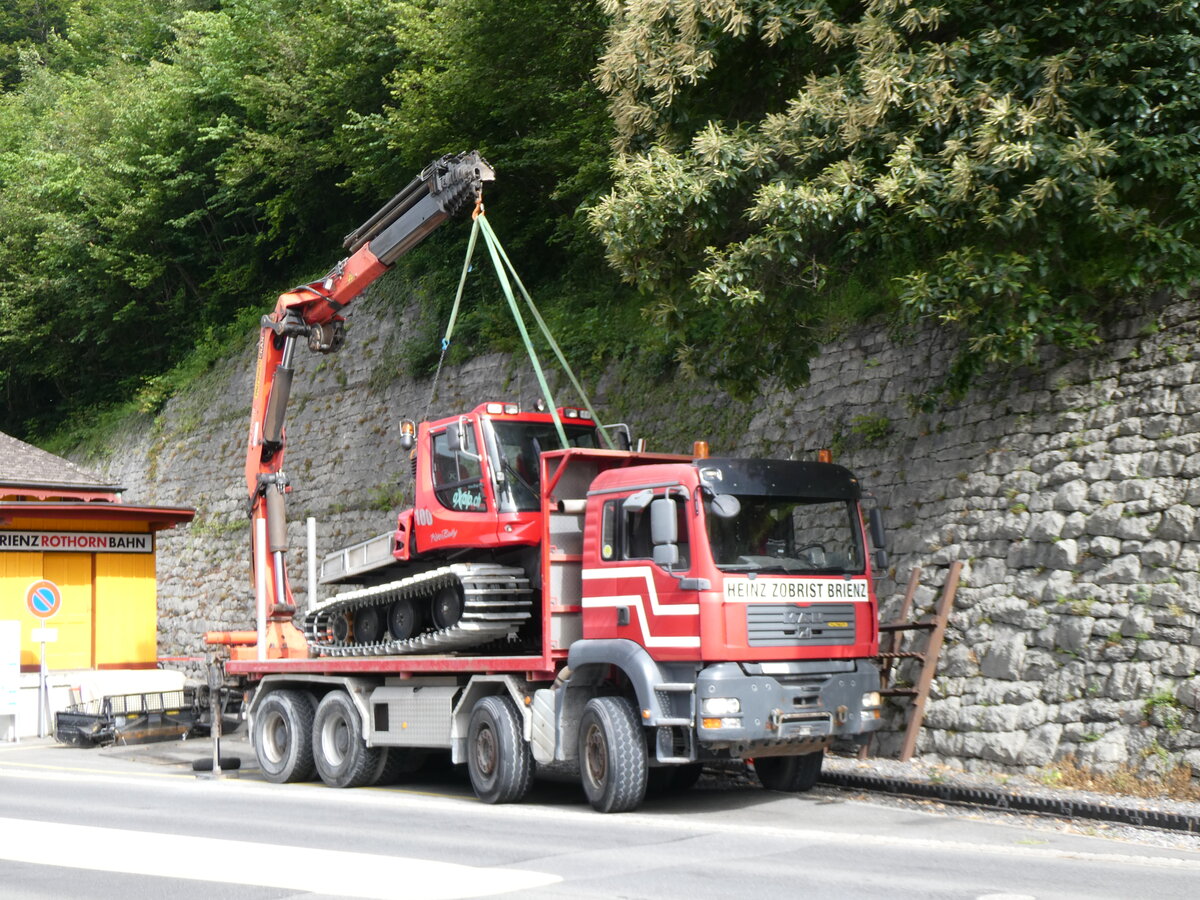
(77,561)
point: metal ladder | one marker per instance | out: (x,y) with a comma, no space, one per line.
(891,652)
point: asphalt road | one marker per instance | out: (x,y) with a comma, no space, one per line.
(136,822)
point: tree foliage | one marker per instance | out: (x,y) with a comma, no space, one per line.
(165,163)
(1009,169)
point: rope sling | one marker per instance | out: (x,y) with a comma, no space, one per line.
(504,269)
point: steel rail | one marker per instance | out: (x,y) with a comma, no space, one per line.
(1013,801)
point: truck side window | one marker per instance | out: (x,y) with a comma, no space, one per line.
(636,534)
(457,478)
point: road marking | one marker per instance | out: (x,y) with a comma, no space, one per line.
(85,771)
(266,865)
(325,798)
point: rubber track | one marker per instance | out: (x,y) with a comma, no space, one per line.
(991,798)
(496,601)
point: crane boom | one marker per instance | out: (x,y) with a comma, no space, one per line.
(446,187)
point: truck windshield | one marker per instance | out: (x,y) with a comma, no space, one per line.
(791,535)
(518,445)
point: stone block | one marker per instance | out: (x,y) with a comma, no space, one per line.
(1103,547)
(1003,658)
(1072,496)
(1045,526)
(1130,681)
(1042,745)
(1122,570)
(1074,632)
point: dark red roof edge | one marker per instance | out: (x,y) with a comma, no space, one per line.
(157,517)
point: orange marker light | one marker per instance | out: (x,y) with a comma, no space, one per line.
(825,456)
(700,449)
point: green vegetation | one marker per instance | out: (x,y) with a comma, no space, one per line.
(761,175)
(166,164)
(1010,170)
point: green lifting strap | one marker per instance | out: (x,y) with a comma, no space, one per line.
(503,267)
(490,237)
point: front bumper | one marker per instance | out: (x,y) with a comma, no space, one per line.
(785,707)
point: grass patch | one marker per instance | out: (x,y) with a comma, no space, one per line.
(1175,784)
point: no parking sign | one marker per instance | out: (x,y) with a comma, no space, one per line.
(43,599)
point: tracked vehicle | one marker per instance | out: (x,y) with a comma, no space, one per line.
(555,595)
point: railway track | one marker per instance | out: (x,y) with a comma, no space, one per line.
(1004,800)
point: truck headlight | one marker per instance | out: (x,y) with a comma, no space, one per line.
(872,698)
(721,706)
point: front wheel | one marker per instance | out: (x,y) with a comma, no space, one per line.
(498,758)
(790,774)
(612,755)
(342,757)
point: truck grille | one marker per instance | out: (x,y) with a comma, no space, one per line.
(795,625)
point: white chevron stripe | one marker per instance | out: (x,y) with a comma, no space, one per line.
(637,601)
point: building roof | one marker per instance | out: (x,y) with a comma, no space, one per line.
(156,518)
(23,465)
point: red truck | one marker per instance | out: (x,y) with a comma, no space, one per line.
(556,596)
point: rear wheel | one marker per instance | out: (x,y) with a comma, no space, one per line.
(283,726)
(498,758)
(790,774)
(612,755)
(342,757)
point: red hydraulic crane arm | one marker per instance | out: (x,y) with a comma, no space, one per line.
(447,187)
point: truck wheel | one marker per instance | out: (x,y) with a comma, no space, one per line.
(342,757)
(790,774)
(612,755)
(498,758)
(283,727)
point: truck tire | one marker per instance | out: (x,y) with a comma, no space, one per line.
(612,755)
(790,774)
(342,757)
(498,758)
(283,726)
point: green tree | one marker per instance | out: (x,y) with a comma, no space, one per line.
(512,78)
(1012,170)
(26,25)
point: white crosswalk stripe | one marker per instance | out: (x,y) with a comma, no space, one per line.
(255,863)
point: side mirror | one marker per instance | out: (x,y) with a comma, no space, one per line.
(454,438)
(725,506)
(664,527)
(624,440)
(875,525)
(666,555)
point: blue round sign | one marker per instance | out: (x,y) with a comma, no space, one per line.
(43,599)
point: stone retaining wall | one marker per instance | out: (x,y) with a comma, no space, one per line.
(1070,494)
